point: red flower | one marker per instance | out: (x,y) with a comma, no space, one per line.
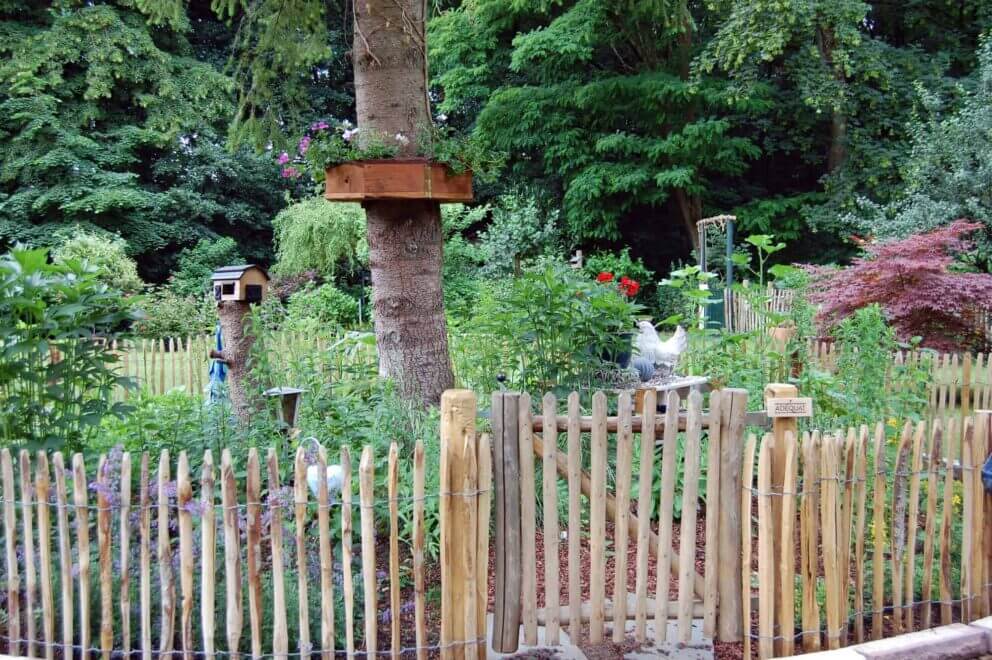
(604,277)
(629,287)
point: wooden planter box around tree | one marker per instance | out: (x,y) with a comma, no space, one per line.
(396,179)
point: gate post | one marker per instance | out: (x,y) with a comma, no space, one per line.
(507,609)
(730,624)
(464,507)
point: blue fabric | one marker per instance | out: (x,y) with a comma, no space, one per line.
(987,474)
(217,371)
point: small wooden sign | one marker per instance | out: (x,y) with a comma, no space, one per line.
(790,407)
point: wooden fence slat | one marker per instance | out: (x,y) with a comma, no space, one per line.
(624,443)
(878,529)
(464,571)
(144,558)
(597,520)
(947,514)
(79,498)
(208,556)
(104,553)
(733,414)
(766,552)
(234,619)
(125,553)
(528,522)
(31,587)
(254,550)
(43,491)
(366,485)
(507,575)
(968,546)
(280,625)
(934,451)
(809,555)
(65,549)
(419,593)
(347,580)
(690,495)
(550,491)
(830,476)
(574,518)
(860,507)
(166,582)
(184,499)
(10,538)
(485,485)
(900,485)
(747,482)
(665,514)
(326,558)
(787,564)
(644,513)
(300,518)
(711,558)
(912,526)
(392,487)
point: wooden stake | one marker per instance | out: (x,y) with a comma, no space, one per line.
(184,498)
(419,593)
(125,553)
(669,465)
(575,518)
(167,584)
(766,552)
(366,485)
(208,556)
(65,550)
(280,626)
(254,550)
(644,480)
(347,581)
(528,522)
(550,488)
(597,520)
(10,537)
(690,495)
(42,493)
(106,570)
(392,485)
(79,488)
(232,555)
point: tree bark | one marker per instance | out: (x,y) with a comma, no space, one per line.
(237,347)
(691,212)
(405,239)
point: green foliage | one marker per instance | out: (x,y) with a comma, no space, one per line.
(621,265)
(166,313)
(549,330)
(108,255)
(320,309)
(111,125)
(315,234)
(518,231)
(56,373)
(581,99)
(460,270)
(197,263)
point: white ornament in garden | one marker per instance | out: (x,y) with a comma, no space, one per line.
(334,476)
(664,354)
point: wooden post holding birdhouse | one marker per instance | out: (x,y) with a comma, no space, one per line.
(246,283)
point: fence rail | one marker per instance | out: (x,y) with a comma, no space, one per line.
(211,549)
(880,534)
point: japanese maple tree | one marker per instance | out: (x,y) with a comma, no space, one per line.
(915,282)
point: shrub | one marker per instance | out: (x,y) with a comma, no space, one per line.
(914,281)
(166,313)
(549,328)
(320,308)
(108,255)
(319,235)
(56,374)
(519,230)
(196,264)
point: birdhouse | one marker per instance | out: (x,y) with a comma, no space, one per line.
(246,283)
(288,410)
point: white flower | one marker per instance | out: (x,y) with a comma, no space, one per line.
(442,117)
(402,139)
(348,134)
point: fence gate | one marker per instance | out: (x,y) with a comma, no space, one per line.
(591,461)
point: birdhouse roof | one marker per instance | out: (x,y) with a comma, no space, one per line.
(235,272)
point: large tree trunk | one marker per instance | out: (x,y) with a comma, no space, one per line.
(405,240)
(237,347)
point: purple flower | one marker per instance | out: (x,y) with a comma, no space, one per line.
(304,144)
(289,172)
(319,126)
(283,158)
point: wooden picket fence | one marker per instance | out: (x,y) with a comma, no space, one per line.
(88,599)
(878,533)
(519,437)
(739,314)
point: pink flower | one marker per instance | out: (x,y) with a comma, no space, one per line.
(289,172)
(350,133)
(304,144)
(283,158)
(319,126)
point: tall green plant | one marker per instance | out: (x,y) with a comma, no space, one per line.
(57,375)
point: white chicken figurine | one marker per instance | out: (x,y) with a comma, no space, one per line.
(334,476)
(663,354)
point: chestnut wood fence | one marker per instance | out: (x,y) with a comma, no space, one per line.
(864,533)
(134,561)
(575,468)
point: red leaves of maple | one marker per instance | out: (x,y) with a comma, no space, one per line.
(913,283)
